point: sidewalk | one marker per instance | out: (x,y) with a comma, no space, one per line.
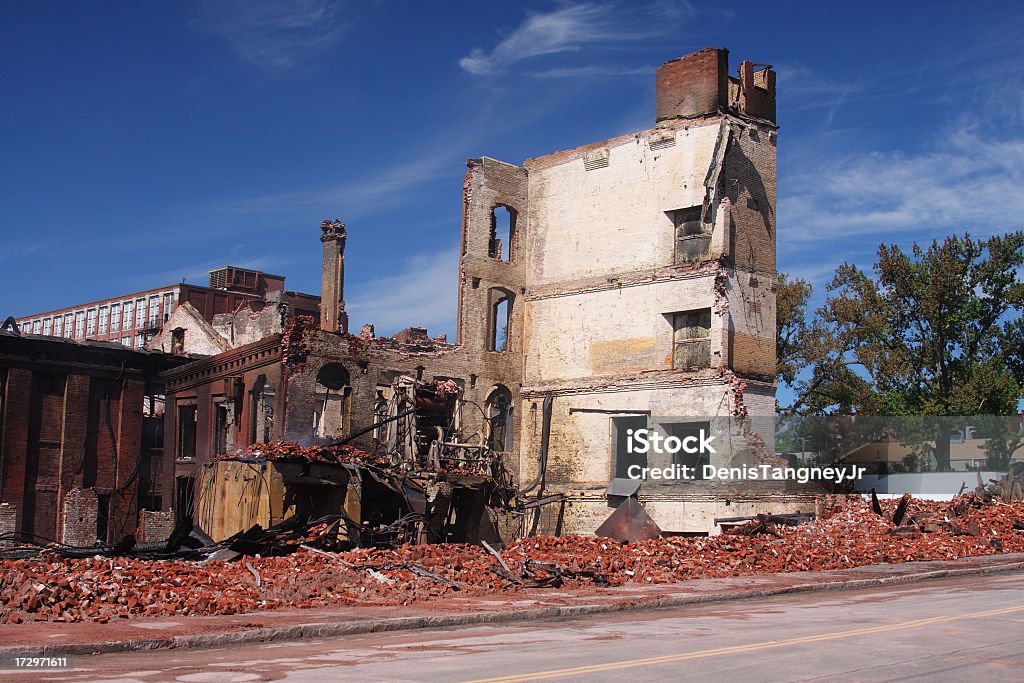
(37,638)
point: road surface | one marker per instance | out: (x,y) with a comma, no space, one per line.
(963,629)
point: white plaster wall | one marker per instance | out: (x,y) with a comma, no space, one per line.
(613,331)
(612,220)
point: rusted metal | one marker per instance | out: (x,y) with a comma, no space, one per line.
(629,522)
(901,510)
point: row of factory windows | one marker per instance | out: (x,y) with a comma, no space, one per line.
(107,320)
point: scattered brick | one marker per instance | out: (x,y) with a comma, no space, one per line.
(50,588)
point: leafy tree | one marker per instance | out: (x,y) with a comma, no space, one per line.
(935,332)
(814,357)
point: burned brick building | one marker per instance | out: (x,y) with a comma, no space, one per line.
(626,283)
(81,432)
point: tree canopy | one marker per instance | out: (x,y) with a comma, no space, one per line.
(936,331)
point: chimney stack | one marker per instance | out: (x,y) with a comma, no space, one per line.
(332,290)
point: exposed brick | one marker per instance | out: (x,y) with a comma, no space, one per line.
(81,508)
(155,526)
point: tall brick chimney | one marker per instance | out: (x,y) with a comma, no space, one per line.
(332,289)
(699,84)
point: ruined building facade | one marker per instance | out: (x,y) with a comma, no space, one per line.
(81,441)
(628,283)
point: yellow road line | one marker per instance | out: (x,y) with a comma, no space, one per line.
(735,649)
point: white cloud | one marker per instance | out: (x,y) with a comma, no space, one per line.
(969,180)
(422,293)
(275,34)
(595,71)
(358,196)
(572,28)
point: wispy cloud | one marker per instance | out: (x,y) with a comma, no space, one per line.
(354,197)
(422,293)
(970,179)
(595,71)
(275,34)
(802,88)
(10,251)
(573,28)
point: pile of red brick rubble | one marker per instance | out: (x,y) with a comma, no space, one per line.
(102,589)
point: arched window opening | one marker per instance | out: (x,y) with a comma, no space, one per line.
(331,402)
(499,419)
(178,341)
(503,230)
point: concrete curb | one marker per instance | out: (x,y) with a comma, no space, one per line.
(328,630)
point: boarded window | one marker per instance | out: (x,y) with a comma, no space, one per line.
(692,237)
(692,339)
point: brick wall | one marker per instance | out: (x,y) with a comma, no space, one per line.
(81,507)
(72,421)
(748,181)
(8,521)
(693,85)
(155,526)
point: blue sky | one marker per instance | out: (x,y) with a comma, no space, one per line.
(147,142)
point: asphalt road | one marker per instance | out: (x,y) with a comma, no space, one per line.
(963,629)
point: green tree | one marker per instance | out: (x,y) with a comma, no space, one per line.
(934,332)
(814,357)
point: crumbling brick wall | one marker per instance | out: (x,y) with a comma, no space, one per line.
(8,521)
(155,526)
(693,85)
(81,508)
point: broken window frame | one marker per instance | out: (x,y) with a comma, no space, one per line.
(496,246)
(185,412)
(264,400)
(178,341)
(221,426)
(691,339)
(691,235)
(499,409)
(499,323)
(337,389)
